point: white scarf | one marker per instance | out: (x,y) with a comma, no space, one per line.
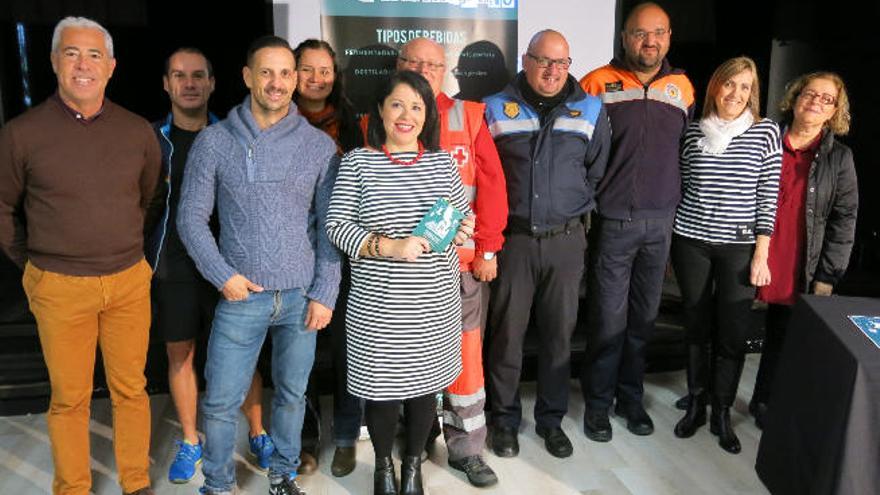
(719,132)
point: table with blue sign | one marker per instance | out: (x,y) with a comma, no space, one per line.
(822,429)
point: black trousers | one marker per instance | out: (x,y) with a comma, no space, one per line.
(626,282)
(543,274)
(776,327)
(715,288)
(347,409)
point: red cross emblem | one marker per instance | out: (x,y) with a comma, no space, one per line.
(460,154)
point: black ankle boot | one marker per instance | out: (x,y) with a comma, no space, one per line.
(384,480)
(411,476)
(719,424)
(693,419)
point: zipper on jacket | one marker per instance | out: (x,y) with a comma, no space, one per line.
(167,198)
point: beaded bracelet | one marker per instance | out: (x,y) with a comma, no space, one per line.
(369,243)
(373,249)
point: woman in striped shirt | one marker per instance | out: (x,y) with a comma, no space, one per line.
(403,317)
(730,163)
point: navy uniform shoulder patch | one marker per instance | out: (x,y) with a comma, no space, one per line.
(511,109)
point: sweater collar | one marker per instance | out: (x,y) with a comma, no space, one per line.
(242,119)
(76,114)
(317,118)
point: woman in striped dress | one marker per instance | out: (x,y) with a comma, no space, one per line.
(730,163)
(403,316)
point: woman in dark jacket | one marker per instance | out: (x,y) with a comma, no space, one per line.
(816,216)
(320,98)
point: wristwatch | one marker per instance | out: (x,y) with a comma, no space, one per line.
(488,255)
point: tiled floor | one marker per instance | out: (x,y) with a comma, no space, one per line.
(656,465)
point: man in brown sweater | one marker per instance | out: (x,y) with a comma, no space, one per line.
(76,174)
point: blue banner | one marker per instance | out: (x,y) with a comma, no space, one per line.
(447,9)
(478,36)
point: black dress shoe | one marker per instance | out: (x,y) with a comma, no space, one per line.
(344,461)
(504,441)
(719,424)
(637,420)
(478,472)
(597,427)
(384,480)
(556,441)
(411,476)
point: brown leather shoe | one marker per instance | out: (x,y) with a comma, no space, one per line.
(143,491)
(308,462)
(344,461)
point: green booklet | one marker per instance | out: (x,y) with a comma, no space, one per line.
(439,225)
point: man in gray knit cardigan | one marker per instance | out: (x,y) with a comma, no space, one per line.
(271,175)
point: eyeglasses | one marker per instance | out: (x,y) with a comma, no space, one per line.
(417,64)
(545,63)
(642,35)
(824,98)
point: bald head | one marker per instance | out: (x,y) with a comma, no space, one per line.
(422,46)
(546,62)
(645,38)
(547,36)
(426,57)
(648,10)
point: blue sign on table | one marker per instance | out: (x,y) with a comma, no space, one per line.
(869,325)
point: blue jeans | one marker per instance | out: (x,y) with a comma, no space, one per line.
(237,335)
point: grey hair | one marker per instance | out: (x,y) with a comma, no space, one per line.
(80,22)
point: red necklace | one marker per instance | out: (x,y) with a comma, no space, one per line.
(404,162)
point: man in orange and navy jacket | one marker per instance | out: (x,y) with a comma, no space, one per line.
(649,105)
(463,133)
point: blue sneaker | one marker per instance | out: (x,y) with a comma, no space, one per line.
(262,449)
(184,466)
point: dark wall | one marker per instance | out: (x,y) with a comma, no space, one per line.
(144,33)
(814,36)
(833,36)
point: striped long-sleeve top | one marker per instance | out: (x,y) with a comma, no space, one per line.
(403,319)
(730,197)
